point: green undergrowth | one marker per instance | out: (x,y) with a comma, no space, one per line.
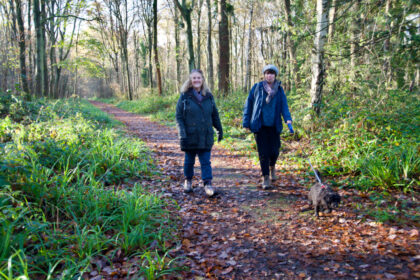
(67,196)
(372,142)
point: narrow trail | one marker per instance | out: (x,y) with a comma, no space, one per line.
(246,233)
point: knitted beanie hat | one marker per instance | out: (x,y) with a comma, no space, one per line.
(270,67)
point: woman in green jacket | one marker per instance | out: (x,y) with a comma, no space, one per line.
(196,115)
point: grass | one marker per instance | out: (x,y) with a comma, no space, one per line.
(62,165)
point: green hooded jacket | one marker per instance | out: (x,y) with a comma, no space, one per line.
(195,121)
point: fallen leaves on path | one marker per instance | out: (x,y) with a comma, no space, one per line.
(247,233)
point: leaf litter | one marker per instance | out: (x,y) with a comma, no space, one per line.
(246,233)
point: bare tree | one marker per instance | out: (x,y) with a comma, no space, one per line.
(146,12)
(178,56)
(158,73)
(249,51)
(318,55)
(186,10)
(331,23)
(200,4)
(224,50)
(22,46)
(290,44)
(209,47)
(40,51)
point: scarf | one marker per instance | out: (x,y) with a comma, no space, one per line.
(271,90)
(198,95)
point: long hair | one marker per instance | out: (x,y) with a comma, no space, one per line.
(188,83)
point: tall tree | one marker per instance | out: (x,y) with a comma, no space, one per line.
(249,51)
(318,69)
(30,69)
(331,23)
(44,47)
(177,47)
(354,35)
(22,46)
(209,46)
(146,12)
(224,50)
(186,10)
(200,4)
(120,10)
(387,43)
(61,15)
(290,44)
(155,48)
(40,53)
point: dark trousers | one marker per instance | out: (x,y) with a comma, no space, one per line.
(268,145)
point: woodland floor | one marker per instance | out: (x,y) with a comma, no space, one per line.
(247,233)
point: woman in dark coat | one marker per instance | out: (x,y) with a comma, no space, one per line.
(196,115)
(264,108)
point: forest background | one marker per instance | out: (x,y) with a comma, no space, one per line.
(350,70)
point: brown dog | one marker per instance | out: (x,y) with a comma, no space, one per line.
(323,198)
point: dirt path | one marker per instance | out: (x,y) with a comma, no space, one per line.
(247,233)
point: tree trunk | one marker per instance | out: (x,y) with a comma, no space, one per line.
(39,82)
(249,51)
(224,55)
(200,5)
(387,62)
(150,34)
(127,66)
(291,45)
(177,49)
(318,55)
(158,74)
(331,15)
(53,87)
(30,54)
(44,49)
(209,47)
(22,46)
(186,10)
(262,43)
(354,36)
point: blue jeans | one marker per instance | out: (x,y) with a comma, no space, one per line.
(204,157)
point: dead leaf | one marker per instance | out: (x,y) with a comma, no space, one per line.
(223,255)
(227,270)
(414,233)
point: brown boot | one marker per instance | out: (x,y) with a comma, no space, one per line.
(266,182)
(273,176)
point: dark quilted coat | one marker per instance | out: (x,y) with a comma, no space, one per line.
(195,121)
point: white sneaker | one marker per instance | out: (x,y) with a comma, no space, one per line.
(187,186)
(209,190)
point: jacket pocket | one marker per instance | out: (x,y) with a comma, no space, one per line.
(192,136)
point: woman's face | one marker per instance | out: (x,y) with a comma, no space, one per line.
(196,80)
(269,77)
